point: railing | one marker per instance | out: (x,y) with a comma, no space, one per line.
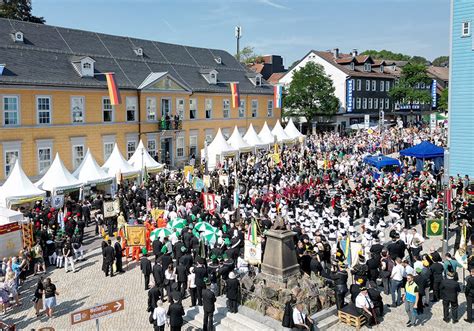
(170,124)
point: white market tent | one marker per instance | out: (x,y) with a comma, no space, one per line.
(89,172)
(58,178)
(291,131)
(18,188)
(238,142)
(266,135)
(116,164)
(251,137)
(141,158)
(8,216)
(217,148)
(280,133)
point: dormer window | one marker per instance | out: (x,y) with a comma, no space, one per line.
(213,78)
(258,80)
(210,75)
(352,66)
(255,78)
(381,68)
(138,51)
(84,66)
(218,60)
(367,67)
(18,36)
(393,67)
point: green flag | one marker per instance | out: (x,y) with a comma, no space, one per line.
(435,228)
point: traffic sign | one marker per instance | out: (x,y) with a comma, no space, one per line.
(97,311)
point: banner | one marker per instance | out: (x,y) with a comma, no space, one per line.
(136,235)
(157,213)
(198,184)
(109,210)
(433,93)
(224,180)
(350,85)
(188,173)
(366,122)
(432,122)
(209,200)
(57,201)
(253,253)
(171,187)
(435,228)
(206,180)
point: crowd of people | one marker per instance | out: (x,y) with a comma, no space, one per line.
(366,236)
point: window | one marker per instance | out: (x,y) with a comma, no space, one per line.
(131,147)
(151,147)
(86,65)
(192,109)
(11,114)
(352,65)
(358,103)
(108,148)
(376,103)
(381,103)
(77,155)
(359,85)
(367,67)
(151,109)
(10,156)
(367,85)
(374,85)
(270,108)
(254,108)
(180,146)
(364,103)
(192,145)
(387,103)
(226,108)
(43,110)
(381,68)
(382,86)
(353,84)
(131,104)
(417,85)
(77,109)
(242,109)
(423,85)
(107,110)
(258,80)
(44,159)
(208,104)
(387,85)
(165,107)
(180,108)
(466,29)
(371,103)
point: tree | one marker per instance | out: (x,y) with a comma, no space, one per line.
(311,93)
(443,100)
(247,55)
(405,91)
(19,10)
(419,59)
(440,60)
(386,55)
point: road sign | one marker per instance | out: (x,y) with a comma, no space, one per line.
(97,311)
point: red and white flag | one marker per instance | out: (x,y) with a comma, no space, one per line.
(448,198)
(209,200)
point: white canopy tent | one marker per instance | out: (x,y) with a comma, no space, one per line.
(266,135)
(278,131)
(141,158)
(19,189)
(58,178)
(251,137)
(116,163)
(291,131)
(238,142)
(89,172)
(217,148)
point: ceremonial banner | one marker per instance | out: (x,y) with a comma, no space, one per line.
(209,200)
(57,201)
(157,213)
(253,253)
(171,187)
(109,210)
(136,235)
(188,173)
(435,228)
(198,184)
(224,180)
(206,180)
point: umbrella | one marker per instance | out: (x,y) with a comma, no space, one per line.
(209,233)
(160,233)
(177,223)
(202,226)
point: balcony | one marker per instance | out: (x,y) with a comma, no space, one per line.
(170,124)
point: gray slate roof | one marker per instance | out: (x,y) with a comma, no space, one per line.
(45,58)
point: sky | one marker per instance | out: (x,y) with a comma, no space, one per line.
(289,28)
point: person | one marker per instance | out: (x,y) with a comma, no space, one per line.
(200,273)
(11,286)
(109,256)
(50,294)
(340,281)
(159,275)
(300,320)
(68,254)
(437,271)
(181,277)
(411,297)
(175,314)
(364,305)
(145,267)
(192,286)
(233,289)
(159,317)
(449,289)
(469,292)
(38,297)
(170,279)
(37,255)
(208,300)
(396,279)
(154,295)
(118,255)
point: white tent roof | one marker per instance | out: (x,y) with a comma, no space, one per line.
(148,161)
(218,146)
(280,133)
(18,188)
(89,171)
(266,135)
(251,137)
(9,216)
(116,163)
(238,142)
(58,178)
(291,130)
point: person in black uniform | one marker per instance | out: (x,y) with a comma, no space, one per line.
(182,278)
(450,289)
(109,257)
(145,267)
(201,273)
(233,289)
(154,295)
(159,275)
(437,271)
(176,313)
(339,276)
(118,255)
(208,300)
(157,245)
(469,292)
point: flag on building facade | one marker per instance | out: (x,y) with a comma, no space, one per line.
(277,95)
(114,92)
(234,88)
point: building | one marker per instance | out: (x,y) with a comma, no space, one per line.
(461,89)
(54,98)
(269,65)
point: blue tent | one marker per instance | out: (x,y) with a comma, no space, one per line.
(423,151)
(380,161)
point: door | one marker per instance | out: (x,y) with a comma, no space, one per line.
(167,151)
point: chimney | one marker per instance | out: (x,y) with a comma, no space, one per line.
(335,53)
(354,52)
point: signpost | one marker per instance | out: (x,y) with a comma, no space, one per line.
(97,312)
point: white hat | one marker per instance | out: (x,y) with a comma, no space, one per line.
(231,275)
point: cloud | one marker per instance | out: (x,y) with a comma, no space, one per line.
(272,3)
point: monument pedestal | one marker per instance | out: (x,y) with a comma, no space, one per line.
(279,261)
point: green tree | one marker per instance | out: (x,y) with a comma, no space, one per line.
(419,59)
(440,60)
(405,91)
(19,10)
(311,93)
(386,55)
(247,55)
(443,100)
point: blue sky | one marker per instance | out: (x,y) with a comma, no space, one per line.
(286,27)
